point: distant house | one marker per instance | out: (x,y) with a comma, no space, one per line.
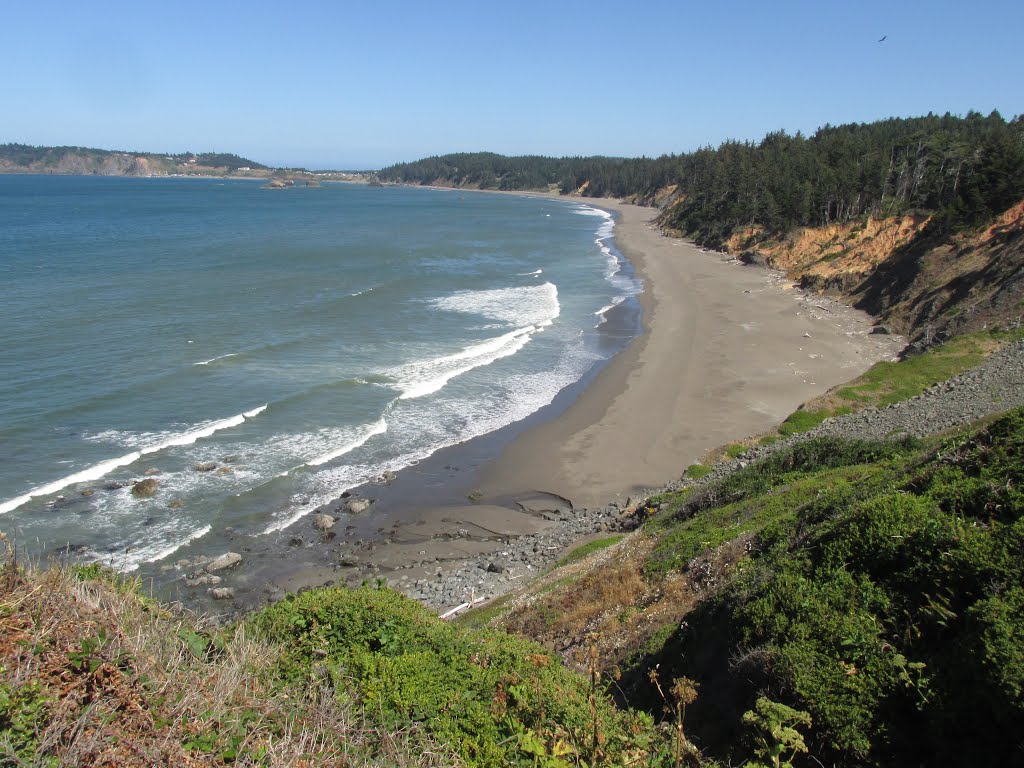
(245,168)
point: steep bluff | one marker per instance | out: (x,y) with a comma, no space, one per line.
(927,285)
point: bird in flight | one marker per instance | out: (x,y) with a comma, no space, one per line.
(883,38)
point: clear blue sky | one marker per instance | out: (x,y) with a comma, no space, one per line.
(348,84)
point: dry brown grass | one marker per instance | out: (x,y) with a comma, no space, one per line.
(120,680)
(604,604)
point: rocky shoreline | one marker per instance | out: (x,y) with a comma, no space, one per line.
(994,386)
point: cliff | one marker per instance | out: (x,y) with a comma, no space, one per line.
(926,284)
(83,161)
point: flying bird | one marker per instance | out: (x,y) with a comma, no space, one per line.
(883,38)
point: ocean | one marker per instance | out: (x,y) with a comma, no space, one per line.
(259,352)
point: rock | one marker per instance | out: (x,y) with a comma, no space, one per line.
(206,466)
(222,593)
(152,471)
(225,470)
(497,566)
(279,184)
(348,561)
(881,330)
(296,541)
(323,522)
(143,489)
(115,485)
(176,504)
(200,579)
(227,560)
(88,492)
(355,506)
(387,477)
(754,259)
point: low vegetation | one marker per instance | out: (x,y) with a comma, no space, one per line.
(888,382)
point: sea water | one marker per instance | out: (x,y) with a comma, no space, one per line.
(304,341)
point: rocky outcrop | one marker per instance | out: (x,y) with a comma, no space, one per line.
(143,489)
(225,561)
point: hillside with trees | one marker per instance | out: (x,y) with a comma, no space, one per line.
(23,158)
(916,220)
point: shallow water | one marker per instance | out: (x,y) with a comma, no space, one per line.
(304,341)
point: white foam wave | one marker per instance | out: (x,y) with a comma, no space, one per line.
(603,311)
(427,377)
(96,471)
(376,429)
(527,305)
(215,359)
(586,210)
(157,552)
(530,274)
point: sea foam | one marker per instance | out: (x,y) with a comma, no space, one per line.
(96,471)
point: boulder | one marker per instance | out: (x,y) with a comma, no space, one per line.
(323,522)
(355,506)
(227,560)
(115,485)
(222,593)
(881,330)
(143,489)
(152,471)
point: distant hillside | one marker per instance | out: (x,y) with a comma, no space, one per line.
(22,158)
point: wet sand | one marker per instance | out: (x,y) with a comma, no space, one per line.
(726,351)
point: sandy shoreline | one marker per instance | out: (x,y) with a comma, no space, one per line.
(726,351)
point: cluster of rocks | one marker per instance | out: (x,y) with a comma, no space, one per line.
(443,585)
(995,386)
(209,572)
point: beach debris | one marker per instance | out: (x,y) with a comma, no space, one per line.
(227,560)
(323,522)
(355,506)
(143,489)
(205,466)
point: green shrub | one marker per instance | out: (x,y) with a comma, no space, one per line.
(484,692)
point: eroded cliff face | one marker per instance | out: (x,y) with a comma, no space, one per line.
(926,286)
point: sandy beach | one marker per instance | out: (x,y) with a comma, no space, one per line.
(728,350)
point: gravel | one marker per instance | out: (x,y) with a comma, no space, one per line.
(995,386)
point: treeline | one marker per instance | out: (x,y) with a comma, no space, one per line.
(967,169)
(28,156)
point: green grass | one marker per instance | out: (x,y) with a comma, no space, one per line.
(697,471)
(802,421)
(735,450)
(886,382)
(585,550)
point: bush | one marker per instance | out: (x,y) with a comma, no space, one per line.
(493,697)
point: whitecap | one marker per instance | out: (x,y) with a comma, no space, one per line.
(215,359)
(526,305)
(96,471)
(428,376)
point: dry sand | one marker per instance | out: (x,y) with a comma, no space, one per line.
(728,350)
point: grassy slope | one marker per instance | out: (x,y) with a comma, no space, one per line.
(875,587)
